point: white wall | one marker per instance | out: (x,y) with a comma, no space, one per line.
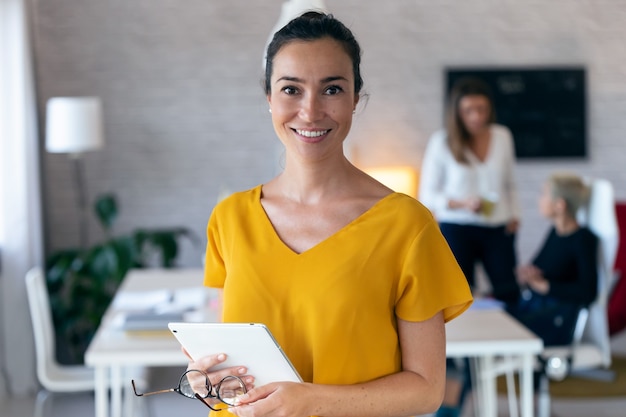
(185,113)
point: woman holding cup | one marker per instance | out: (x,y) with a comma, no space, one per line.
(468,183)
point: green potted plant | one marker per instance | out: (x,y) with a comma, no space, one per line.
(82,282)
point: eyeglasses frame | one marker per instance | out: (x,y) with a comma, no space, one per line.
(210,388)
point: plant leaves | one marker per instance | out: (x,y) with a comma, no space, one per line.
(102,263)
(166,242)
(106,210)
(82,283)
(58,266)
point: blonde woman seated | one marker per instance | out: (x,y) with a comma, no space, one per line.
(563,275)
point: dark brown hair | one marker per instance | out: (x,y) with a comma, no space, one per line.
(458,136)
(309,27)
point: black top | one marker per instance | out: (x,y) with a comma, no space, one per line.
(570,264)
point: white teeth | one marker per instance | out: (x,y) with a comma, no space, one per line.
(311,134)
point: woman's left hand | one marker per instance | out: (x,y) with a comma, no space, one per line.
(276,399)
(512,226)
(539,284)
(206,363)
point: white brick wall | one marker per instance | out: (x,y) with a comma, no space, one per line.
(185,114)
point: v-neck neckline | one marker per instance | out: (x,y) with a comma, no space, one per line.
(475,158)
(324,241)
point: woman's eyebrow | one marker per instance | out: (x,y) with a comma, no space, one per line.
(323,81)
(335,78)
(288,78)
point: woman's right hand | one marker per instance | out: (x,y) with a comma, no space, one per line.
(277,398)
(206,363)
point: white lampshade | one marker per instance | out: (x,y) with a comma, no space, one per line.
(74,125)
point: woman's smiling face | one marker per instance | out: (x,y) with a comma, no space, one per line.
(312,96)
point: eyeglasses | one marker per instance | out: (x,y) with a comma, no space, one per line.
(195,384)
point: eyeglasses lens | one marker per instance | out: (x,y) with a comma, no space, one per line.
(230,389)
(194,382)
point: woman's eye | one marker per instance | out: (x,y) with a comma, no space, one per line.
(332,90)
(289,90)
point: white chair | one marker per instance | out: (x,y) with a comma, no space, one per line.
(53,376)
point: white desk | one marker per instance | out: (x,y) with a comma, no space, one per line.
(113,351)
(481,335)
(484,335)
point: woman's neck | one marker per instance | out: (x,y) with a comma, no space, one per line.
(310,183)
(481,136)
(566,225)
(479,143)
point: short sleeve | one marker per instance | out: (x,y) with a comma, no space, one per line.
(431,280)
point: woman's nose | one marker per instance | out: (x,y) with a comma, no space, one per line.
(311,109)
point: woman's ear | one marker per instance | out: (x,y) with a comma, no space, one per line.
(560,205)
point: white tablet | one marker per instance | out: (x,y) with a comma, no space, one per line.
(246,344)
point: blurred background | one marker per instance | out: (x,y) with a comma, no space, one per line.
(185,119)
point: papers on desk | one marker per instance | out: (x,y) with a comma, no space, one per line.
(149,320)
(153,310)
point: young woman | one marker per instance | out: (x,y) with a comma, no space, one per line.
(354,281)
(468,183)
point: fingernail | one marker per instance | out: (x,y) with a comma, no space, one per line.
(241,371)
(221,357)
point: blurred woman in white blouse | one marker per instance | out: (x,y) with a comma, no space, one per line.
(467,181)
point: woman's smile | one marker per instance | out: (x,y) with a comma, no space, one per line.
(311,135)
(312,97)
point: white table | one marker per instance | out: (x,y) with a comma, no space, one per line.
(486,336)
(113,352)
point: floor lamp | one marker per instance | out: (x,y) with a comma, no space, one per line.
(74,126)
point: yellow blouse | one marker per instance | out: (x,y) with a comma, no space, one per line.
(333,308)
